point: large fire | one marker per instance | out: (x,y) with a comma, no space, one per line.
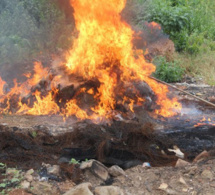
(103,53)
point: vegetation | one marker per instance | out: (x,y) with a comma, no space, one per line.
(168,71)
(74,161)
(190,24)
(12,178)
(31,27)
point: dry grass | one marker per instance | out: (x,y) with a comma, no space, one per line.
(201,65)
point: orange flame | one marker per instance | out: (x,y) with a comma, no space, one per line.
(104,43)
(155,25)
(205,121)
(103,51)
(2,83)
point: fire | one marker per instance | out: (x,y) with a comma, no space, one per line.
(155,25)
(103,52)
(205,121)
(105,41)
(2,83)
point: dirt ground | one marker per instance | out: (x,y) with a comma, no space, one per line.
(191,179)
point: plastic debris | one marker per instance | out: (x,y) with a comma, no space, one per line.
(146,164)
(177,152)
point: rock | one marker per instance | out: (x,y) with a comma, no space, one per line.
(30,172)
(82,189)
(163,186)
(25,184)
(199,94)
(100,170)
(181,180)
(63,160)
(96,168)
(86,164)
(206,174)
(108,190)
(116,171)
(65,186)
(92,178)
(43,188)
(54,170)
(29,178)
(181,163)
(203,155)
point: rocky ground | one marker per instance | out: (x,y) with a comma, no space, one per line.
(184,178)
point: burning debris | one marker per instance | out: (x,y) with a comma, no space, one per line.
(205,121)
(102,76)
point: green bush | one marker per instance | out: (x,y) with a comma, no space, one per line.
(168,71)
(188,23)
(30,27)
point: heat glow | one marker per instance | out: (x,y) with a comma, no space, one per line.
(102,51)
(205,121)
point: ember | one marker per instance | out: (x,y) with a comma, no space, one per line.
(102,72)
(205,121)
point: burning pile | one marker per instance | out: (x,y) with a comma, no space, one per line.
(103,75)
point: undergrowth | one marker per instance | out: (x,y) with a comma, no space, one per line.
(31,27)
(168,71)
(190,24)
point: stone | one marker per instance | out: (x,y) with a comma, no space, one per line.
(181,180)
(29,178)
(181,163)
(30,172)
(163,186)
(82,189)
(202,156)
(92,178)
(206,174)
(86,164)
(116,171)
(25,184)
(65,186)
(63,160)
(96,168)
(199,94)
(108,190)
(43,188)
(54,170)
(100,170)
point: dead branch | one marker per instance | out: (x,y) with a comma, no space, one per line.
(203,100)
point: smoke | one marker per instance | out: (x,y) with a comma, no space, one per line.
(148,36)
(30,30)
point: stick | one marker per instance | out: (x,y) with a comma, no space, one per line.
(205,101)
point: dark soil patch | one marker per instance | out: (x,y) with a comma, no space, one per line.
(124,144)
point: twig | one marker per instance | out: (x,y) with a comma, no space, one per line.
(205,101)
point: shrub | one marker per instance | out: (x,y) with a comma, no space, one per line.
(168,71)
(188,23)
(30,27)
